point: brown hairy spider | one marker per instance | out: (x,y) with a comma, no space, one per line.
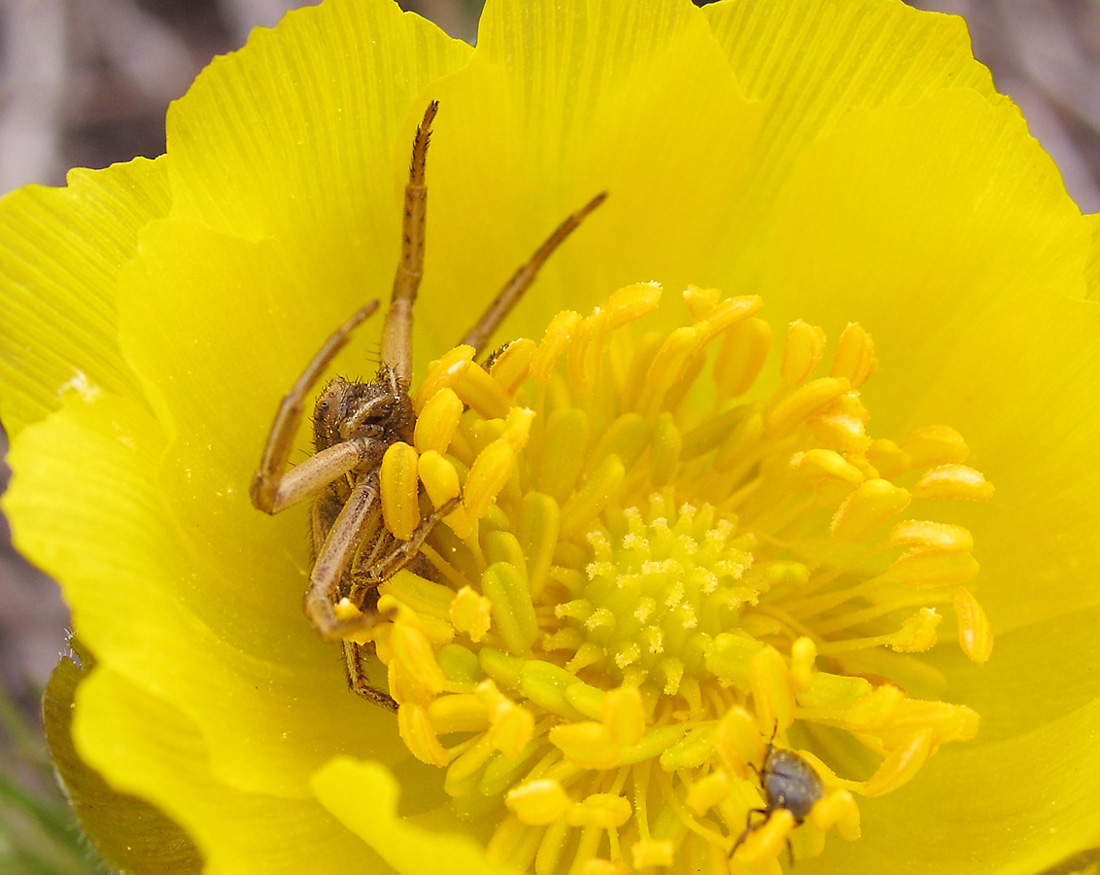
(355,422)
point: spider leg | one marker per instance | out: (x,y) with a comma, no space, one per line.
(357,678)
(403,551)
(397,330)
(339,545)
(272,474)
(521,280)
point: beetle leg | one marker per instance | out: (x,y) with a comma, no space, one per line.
(272,472)
(397,330)
(482,330)
(750,827)
(339,545)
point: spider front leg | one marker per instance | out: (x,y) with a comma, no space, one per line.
(273,488)
(397,329)
(522,279)
(356,516)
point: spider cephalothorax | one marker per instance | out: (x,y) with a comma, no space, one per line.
(354,423)
(379,410)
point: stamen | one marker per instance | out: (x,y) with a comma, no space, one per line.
(635,600)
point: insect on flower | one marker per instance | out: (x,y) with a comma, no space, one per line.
(788,782)
(355,422)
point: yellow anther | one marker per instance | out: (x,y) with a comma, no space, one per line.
(700,301)
(442,374)
(345,610)
(934,445)
(709,791)
(586,349)
(432,603)
(742,443)
(805,401)
(512,730)
(421,603)
(588,744)
(802,353)
(539,802)
(868,507)
(470,613)
(604,867)
(935,568)
(439,477)
(830,475)
(400,487)
(954,481)
(605,810)
(803,656)
(631,303)
(460,712)
(669,363)
(512,610)
(665,448)
(464,772)
(517,427)
(599,488)
(887,458)
(767,842)
(511,365)
(538,536)
(928,534)
(422,678)
(741,356)
(624,715)
(437,422)
(416,731)
(555,342)
(737,741)
(918,632)
(691,751)
(900,765)
(855,356)
(837,809)
(729,657)
(460,666)
(876,709)
(648,853)
(841,424)
(772,688)
(975,632)
(440,481)
(725,314)
(557,472)
(491,470)
(482,393)
(545,684)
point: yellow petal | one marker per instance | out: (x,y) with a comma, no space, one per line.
(63,249)
(148,748)
(363,797)
(578,98)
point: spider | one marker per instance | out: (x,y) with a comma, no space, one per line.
(354,422)
(788,782)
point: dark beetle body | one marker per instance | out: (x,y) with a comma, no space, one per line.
(788,782)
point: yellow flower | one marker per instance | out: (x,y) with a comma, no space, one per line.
(830,163)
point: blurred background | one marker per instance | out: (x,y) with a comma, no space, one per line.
(86,83)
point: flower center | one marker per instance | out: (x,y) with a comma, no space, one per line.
(655,596)
(659,581)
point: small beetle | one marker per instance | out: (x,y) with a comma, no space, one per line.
(789,782)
